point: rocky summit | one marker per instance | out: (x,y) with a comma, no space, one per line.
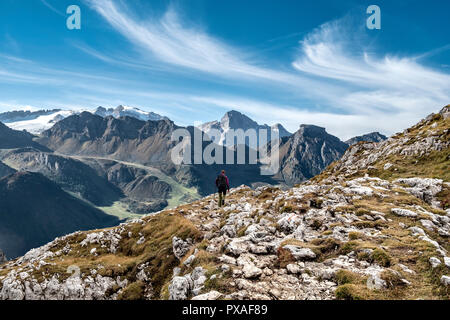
(373,225)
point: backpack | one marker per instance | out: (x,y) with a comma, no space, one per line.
(221,181)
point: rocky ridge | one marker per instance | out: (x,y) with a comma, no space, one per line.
(370,137)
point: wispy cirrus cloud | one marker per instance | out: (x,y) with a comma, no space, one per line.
(51,7)
(170,41)
(334,66)
(374,84)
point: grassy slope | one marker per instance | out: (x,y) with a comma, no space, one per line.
(156,250)
(433,165)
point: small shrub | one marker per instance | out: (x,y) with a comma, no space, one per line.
(316,224)
(349,247)
(325,246)
(316,203)
(286,208)
(134,291)
(354,235)
(285,257)
(393,279)
(241,231)
(219,283)
(365,224)
(361,211)
(381,257)
(444,197)
(344,277)
(363,256)
(266,194)
(347,292)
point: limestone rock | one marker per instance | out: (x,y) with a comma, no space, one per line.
(251,271)
(374,282)
(180,247)
(300,253)
(293,268)
(403,212)
(435,262)
(447,261)
(445,280)
(179,288)
(212,295)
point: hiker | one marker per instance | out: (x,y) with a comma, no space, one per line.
(223,185)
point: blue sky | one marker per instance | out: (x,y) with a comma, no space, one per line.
(286,61)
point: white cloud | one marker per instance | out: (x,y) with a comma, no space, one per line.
(171,42)
(375,85)
(48,5)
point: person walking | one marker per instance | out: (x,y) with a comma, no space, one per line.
(223,185)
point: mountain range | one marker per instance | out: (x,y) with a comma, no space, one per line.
(234,120)
(118,161)
(38,121)
(373,225)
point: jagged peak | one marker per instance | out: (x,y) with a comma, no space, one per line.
(235,119)
(311,130)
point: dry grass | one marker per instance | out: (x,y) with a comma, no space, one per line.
(156,251)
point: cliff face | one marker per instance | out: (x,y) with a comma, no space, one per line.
(374,225)
(307,153)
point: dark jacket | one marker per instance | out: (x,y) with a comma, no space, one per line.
(219,178)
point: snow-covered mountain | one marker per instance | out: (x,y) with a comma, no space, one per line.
(234,120)
(122,111)
(38,121)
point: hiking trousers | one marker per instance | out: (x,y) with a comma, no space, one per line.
(222,193)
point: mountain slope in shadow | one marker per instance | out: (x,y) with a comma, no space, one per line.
(35,210)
